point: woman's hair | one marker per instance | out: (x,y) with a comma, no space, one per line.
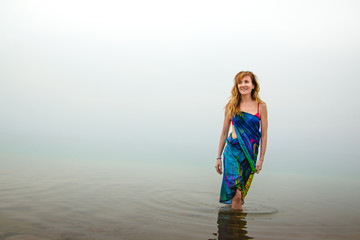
(233,106)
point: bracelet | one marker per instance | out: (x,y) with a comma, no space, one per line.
(218,158)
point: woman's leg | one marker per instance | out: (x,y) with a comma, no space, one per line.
(237,200)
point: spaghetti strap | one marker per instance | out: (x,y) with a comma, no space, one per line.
(258,113)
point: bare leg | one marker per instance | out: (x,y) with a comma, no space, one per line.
(237,200)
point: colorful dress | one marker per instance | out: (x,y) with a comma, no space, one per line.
(240,156)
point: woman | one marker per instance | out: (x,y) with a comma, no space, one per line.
(248,116)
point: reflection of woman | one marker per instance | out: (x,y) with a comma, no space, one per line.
(232,225)
(248,115)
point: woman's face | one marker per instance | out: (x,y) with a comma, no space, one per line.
(245,85)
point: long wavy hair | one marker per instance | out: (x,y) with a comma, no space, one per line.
(233,106)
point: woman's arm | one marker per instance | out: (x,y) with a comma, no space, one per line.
(263,141)
(223,136)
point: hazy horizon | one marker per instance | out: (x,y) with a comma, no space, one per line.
(109,79)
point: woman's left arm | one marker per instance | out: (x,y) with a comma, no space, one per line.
(263,141)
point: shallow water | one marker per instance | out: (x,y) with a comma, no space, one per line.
(115,201)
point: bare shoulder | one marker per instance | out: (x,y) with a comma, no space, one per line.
(262,105)
(226,113)
(263,108)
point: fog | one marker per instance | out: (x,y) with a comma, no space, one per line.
(130,80)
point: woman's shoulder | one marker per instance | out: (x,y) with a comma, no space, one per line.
(262,104)
(262,108)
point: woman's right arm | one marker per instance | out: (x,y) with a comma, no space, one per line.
(223,136)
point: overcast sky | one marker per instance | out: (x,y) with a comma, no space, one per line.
(119,76)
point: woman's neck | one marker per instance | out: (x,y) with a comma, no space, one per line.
(246,98)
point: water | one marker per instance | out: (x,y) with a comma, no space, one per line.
(109,200)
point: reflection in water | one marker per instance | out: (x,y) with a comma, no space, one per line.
(232,224)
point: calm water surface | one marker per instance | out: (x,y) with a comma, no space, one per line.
(134,201)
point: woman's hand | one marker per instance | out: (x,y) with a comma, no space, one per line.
(218,166)
(258,166)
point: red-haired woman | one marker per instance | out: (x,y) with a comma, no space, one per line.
(247,114)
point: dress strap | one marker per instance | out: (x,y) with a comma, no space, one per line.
(258,113)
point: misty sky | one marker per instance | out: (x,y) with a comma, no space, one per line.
(110,78)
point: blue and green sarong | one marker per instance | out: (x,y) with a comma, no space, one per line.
(240,156)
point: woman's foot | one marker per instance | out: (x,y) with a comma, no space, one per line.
(236,207)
